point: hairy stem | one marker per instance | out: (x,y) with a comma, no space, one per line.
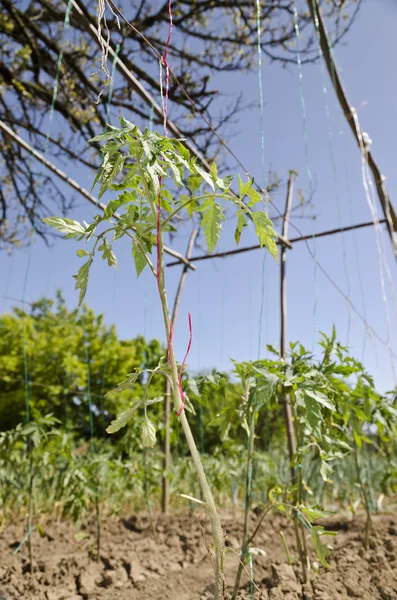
(217,532)
(286,548)
(247,506)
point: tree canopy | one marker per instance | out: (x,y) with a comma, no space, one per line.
(57,356)
(47,45)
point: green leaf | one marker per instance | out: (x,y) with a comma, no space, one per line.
(153,179)
(139,258)
(131,378)
(225,182)
(82,279)
(322,550)
(148,433)
(176,172)
(155,400)
(211,222)
(82,253)
(265,232)
(241,223)
(325,470)
(320,398)
(192,385)
(206,176)
(123,419)
(108,253)
(244,187)
(313,514)
(111,167)
(254,197)
(166,205)
(357,439)
(71,228)
(113,205)
(194,182)
(108,135)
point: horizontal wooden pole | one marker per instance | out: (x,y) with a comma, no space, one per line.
(291,241)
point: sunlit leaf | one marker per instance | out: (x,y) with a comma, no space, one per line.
(123,419)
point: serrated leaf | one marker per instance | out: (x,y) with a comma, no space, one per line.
(320,398)
(244,187)
(131,378)
(313,514)
(108,254)
(192,385)
(82,279)
(206,176)
(212,222)
(148,433)
(321,549)
(254,197)
(225,182)
(155,400)
(68,226)
(265,232)
(241,223)
(111,167)
(194,182)
(123,419)
(139,258)
(113,205)
(166,205)
(108,135)
(176,172)
(128,126)
(153,179)
(325,470)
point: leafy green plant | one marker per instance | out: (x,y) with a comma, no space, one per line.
(24,448)
(148,211)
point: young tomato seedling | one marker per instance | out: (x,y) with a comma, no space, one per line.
(147,210)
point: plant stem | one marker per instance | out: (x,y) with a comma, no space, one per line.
(165,492)
(217,532)
(247,506)
(30,517)
(300,550)
(285,548)
(368,522)
(98,529)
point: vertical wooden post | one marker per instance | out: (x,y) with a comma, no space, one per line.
(165,491)
(352,119)
(283,312)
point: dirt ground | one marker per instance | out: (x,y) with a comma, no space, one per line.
(169,560)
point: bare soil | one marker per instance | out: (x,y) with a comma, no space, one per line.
(169,560)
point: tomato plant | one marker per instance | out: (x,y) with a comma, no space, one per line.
(149,210)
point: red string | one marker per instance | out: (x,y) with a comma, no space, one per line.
(189,316)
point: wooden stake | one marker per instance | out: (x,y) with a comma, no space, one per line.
(352,119)
(165,491)
(283,330)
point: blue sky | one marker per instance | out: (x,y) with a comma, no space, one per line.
(224,295)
